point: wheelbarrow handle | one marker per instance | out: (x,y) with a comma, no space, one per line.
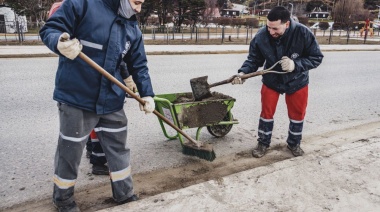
(139,99)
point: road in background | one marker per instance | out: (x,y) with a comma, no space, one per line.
(343,93)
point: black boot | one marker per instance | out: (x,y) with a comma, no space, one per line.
(265,135)
(295,137)
(259,150)
(72,207)
(130,199)
(296,150)
(100,169)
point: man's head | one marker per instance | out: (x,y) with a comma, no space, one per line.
(136,5)
(278,20)
(128,8)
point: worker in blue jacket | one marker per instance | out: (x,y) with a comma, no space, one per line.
(297,50)
(107,32)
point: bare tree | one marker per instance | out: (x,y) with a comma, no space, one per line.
(347,11)
(210,5)
(191,10)
(36,9)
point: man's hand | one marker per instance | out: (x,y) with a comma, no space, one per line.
(130,84)
(237,80)
(69,48)
(287,64)
(149,105)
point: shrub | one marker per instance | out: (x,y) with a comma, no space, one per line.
(323,25)
(252,22)
(303,20)
(224,21)
(337,26)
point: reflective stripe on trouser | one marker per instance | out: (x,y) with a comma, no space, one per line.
(295,132)
(75,127)
(265,131)
(296,104)
(97,156)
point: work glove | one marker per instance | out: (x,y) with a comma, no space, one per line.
(149,105)
(237,80)
(130,84)
(69,48)
(287,64)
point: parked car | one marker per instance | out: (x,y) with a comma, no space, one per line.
(316,25)
(376,25)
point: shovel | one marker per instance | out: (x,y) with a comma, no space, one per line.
(201,88)
(192,148)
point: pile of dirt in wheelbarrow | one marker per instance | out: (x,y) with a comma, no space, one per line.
(208,111)
(188,97)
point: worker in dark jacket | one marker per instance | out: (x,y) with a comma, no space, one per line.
(106,31)
(296,49)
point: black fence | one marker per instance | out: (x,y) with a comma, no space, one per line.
(11,33)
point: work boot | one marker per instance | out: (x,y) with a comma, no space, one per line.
(100,170)
(259,150)
(88,154)
(296,150)
(72,207)
(130,199)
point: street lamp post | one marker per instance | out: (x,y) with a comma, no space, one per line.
(291,11)
(378,15)
(254,8)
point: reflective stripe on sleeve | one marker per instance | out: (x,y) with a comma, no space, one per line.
(91,44)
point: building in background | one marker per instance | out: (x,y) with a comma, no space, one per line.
(9,20)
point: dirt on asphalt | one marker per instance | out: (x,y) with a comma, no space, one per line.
(197,171)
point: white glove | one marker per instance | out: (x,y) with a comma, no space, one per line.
(237,80)
(287,64)
(130,84)
(149,105)
(68,48)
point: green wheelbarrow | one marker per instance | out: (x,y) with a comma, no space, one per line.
(214,113)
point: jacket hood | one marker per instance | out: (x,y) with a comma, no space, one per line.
(113,4)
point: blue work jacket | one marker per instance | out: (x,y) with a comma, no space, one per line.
(297,43)
(107,39)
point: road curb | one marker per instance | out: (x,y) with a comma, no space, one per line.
(51,54)
(28,55)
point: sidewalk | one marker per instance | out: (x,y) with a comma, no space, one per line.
(43,51)
(339,172)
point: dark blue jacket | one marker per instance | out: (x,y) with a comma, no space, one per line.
(107,39)
(298,43)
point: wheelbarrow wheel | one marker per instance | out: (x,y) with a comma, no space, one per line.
(219,131)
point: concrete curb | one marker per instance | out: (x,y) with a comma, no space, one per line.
(43,51)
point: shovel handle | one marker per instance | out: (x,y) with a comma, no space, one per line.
(139,99)
(246,76)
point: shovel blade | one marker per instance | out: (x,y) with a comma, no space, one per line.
(200,88)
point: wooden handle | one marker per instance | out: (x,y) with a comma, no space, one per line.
(126,89)
(246,76)
(229,80)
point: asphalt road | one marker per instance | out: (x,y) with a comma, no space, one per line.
(343,92)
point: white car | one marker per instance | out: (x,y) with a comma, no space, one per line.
(316,25)
(376,25)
